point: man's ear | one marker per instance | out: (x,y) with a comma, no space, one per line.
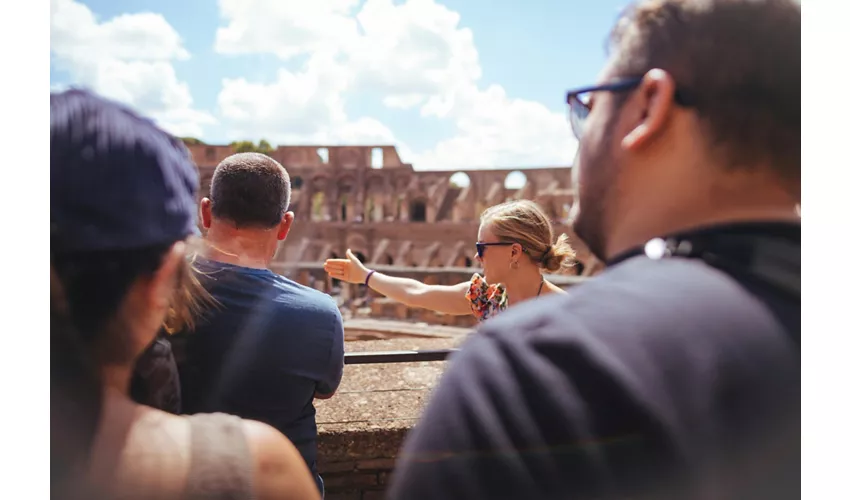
(163,280)
(205,209)
(285,225)
(654,97)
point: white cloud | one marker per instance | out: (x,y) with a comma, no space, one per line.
(299,107)
(305,101)
(127,58)
(494,130)
(285,27)
(415,54)
(412,52)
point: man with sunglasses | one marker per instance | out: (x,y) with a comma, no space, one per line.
(675,373)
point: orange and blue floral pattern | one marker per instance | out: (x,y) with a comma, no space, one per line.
(486,300)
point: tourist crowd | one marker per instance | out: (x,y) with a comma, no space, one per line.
(183,367)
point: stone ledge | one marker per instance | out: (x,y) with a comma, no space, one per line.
(382,396)
(361,429)
(346,444)
(383,329)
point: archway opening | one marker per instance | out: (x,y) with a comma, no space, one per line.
(418,210)
(343,207)
(323,155)
(459,180)
(515,180)
(377,158)
(317,206)
(374,208)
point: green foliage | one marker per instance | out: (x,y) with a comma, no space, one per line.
(316,210)
(249,147)
(191,141)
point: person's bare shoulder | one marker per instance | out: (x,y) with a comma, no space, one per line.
(141,452)
(279,470)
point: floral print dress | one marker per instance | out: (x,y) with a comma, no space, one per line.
(486,300)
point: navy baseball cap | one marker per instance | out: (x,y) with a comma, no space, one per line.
(117,182)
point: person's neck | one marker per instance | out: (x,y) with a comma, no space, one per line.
(648,219)
(523,284)
(253,248)
(117,378)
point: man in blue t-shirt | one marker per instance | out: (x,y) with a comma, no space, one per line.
(270,345)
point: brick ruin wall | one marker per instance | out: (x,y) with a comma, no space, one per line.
(365,198)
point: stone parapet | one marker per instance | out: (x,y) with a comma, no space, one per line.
(362,428)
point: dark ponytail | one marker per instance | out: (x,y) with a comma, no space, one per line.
(75,399)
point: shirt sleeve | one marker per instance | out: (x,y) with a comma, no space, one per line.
(333,375)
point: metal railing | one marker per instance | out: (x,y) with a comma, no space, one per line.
(370,358)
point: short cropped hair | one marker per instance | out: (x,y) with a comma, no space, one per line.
(739,62)
(250,190)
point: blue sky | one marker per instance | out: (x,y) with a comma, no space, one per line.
(496,107)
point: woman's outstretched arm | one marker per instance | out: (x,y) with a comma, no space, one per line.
(440,298)
(444,299)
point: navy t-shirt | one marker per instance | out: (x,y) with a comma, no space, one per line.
(155,381)
(661,378)
(263,351)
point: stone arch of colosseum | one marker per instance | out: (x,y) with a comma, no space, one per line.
(347,193)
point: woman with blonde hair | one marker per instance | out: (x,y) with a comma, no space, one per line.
(515,246)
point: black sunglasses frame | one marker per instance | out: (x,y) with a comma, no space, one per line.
(577,110)
(480,247)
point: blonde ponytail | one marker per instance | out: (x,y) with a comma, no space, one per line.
(559,256)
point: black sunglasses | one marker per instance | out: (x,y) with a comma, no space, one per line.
(479,247)
(578,106)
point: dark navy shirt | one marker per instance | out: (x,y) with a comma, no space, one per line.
(156,381)
(263,352)
(664,378)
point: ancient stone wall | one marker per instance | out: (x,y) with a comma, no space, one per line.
(362,428)
(365,198)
